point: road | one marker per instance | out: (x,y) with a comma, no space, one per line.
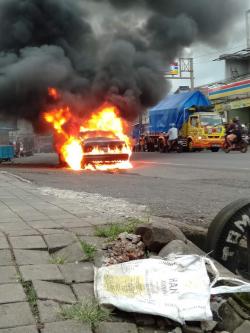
(190,187)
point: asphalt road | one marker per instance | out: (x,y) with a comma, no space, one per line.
(191,187)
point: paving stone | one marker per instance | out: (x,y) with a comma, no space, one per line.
(8,274)
(23,232)
(22,329)
(54,291)
(86,231)
(3,243)
(76,273)
(11,293)
(28,242)
(43,224)
(5,258)
(49,311)
(68,326)
(96,241)
(15,314)
(30,257)
(58,241)
(84,291)
(12,226)
(41,272)
(116,327)
(71,253)
(230,319)
(71,223)
(244,328)
(46,231)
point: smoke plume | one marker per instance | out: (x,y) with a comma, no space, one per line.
(96,51)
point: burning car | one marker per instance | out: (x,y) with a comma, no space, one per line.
(103,150)
(98,142)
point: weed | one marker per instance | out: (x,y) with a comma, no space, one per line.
(88,249)
(88,312)
(113,230)
(30,292)
(57,260)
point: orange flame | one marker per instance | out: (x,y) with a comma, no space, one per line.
(71,133)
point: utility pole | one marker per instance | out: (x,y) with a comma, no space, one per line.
(248,28)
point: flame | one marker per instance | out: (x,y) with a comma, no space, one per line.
(71,133)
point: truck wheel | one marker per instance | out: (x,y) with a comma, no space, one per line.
(162,148)
(190,146)
(215,150)
(229,237)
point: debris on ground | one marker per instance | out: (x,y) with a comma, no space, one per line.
(125,248)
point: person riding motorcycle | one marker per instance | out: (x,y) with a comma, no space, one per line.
(234,132)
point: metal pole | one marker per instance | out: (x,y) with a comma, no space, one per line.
(248,27)
(192,73)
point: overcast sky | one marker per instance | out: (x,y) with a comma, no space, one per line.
(205,69)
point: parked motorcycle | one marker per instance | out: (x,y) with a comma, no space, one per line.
(241,146)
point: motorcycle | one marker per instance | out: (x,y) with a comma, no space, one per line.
(241,145)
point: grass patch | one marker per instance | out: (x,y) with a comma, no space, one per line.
(31,297)
(113,230)
(58,260)
(89,312)
(88,249)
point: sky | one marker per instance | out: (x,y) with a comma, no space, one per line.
(206,70)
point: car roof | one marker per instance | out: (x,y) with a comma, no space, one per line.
(102,139)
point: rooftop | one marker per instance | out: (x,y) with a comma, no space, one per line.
(238,55)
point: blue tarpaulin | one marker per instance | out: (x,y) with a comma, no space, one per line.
(173,109)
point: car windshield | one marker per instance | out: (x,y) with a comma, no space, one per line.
(211,120)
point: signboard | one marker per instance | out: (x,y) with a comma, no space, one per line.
(173,69)
(241,103)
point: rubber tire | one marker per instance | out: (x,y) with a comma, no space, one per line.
(244,148)
(215,150)
(190,144)
(220,227)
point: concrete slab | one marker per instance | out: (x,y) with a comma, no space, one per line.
(3,243)
(8,274)
(71,253)
(41,272)
(15,314)
(12,226)
(83,231)
(77,273)
(5,258)
(22,329)
(54,291)
(58,241)
(45,223)
(28,242)
(23,232)
(96,241)
(46,231)
(66,327)
(116,327)
(84,291)
(50,311)
(71,223)
(11,293)
(31,257)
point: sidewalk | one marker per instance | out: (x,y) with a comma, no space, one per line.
(39,228)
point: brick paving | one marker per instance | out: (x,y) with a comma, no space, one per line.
(36,230)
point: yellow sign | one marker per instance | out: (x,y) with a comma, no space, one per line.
(129,286)
(240,103)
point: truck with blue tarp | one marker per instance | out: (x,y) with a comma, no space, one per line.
(199,126)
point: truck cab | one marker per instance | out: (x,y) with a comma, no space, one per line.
(203,130)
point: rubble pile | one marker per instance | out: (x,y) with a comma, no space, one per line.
(125,248)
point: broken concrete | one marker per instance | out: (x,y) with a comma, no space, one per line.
(28,242)
(84,291)
(11,293)
(8,274)
(15,314)
(68,326)
(30,257)
(77,273)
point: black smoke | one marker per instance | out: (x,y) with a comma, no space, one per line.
(47,43)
